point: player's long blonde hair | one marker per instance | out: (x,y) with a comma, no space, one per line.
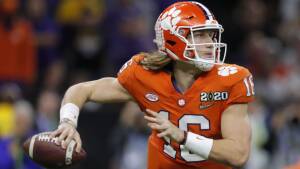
(154,60)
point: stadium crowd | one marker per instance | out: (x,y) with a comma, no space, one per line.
(48,45)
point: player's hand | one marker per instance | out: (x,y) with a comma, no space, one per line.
(163,126)
(65,133)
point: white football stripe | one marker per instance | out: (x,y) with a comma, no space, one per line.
(31,145)
(69,153)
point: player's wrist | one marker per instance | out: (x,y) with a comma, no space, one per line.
(69,114)
(198,144)
(183,136)
(65,121)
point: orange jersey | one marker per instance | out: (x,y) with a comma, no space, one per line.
(18,53)
(198,109)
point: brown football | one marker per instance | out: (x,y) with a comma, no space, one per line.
(43,150)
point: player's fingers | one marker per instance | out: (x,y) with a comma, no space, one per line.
(63,135)
(67,141)
(145,68)
(55,133)
(152,113)
(152,126)
(58,131)
(162,127)
(155,126)
(160,120)
(163,134)
(78,141)
(151,119)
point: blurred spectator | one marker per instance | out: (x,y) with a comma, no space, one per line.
(81,37)
(54,76)
(46,30)
(295,166)
(247,17)
(18,51)
(24,119)
(259,157)
(279,90)
(9,93)
(289,9)
(87,49)
(72,11)
(260,52)
(129,30)
(47,111)
(6,119)
(251,14)
(12,156)
(129,140)
(286,124)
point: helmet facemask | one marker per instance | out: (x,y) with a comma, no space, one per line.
(192,51)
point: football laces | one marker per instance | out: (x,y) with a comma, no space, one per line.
(46,138)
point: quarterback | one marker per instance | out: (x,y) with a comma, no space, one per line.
(195,104)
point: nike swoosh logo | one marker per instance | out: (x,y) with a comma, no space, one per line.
(206,106)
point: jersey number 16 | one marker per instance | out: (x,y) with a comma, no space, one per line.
(183,125)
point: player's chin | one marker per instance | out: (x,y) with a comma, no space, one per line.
(204,67)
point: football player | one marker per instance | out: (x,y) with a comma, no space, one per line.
(194,102)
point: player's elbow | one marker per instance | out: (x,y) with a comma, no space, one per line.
(77,87)
(239,162)
(240,158)
(80,90)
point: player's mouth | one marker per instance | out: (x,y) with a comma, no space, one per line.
(207,55)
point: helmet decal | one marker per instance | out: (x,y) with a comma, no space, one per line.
(170,19)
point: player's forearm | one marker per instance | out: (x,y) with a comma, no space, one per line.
(230,152)
(72,102)
(103,90)
(77,94)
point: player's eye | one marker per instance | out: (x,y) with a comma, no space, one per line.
(211,34)
(200,34)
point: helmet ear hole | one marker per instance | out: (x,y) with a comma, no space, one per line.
(172,43)
(190,17)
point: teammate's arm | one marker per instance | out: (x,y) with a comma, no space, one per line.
(234,148)
(103,90)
